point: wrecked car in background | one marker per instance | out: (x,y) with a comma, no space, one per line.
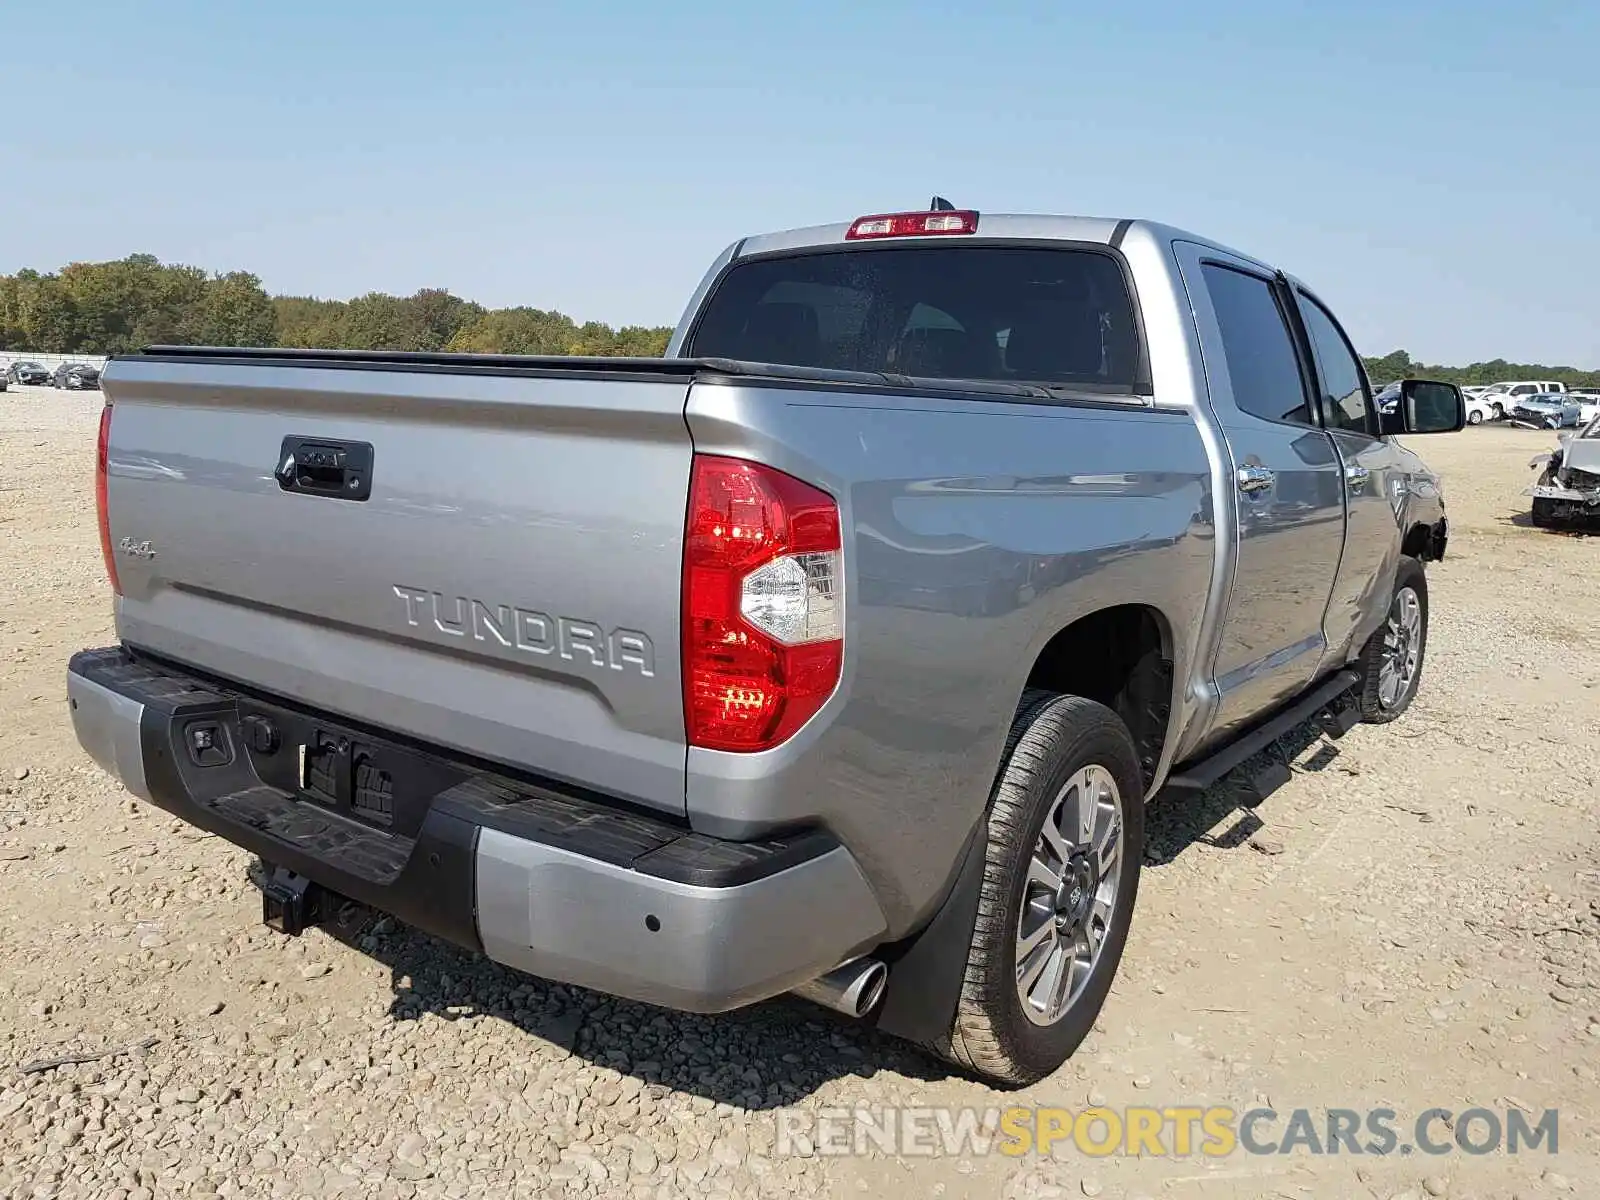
(1546,410)
(1568,487)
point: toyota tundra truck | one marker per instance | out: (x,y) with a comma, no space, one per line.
(835,652)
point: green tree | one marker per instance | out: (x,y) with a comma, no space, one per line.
(119,306)
(436,316)
(516,331)
(641,341)
(1394,365)
(305,321)
(133,302)
(1399,365)
(171,312)
(237,312)
(377,322)
(46,316)
(427,320)
(10,313)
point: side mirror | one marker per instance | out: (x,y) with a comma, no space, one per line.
(1427,406)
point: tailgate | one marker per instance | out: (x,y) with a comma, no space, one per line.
(508,586)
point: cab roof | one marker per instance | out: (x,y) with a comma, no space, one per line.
(1108,231)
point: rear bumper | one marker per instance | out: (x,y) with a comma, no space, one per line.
(560,885)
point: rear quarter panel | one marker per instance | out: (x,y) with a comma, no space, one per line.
(977,530)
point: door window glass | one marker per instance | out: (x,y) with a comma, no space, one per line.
(1344,399)
(1255,340)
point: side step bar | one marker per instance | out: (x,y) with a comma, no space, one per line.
(1198,776)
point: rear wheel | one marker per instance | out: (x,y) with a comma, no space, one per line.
(1391,662)
(1474,417)
(1061,871)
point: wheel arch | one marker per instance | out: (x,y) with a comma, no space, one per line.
(1122,656)
(926,969)
(1424,541)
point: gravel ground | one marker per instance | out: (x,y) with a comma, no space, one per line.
(1413,921)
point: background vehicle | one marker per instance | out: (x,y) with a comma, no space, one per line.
(75,377)
(1588,403)
(26,371)
(1479,409)
(1547,410)
(1568,486)
(835,652)
(1503,396)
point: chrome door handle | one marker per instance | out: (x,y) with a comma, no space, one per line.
(1356,477)
(1255,479)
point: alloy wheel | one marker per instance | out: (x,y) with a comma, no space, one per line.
(1070,894)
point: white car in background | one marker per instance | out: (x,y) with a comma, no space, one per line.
(1480,409)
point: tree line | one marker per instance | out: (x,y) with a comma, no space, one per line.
(121,306)
(1400,365)
(116,307)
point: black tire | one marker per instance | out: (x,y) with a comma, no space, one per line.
(1374,708)
(1052,738)
(1498,411)
(1544,513)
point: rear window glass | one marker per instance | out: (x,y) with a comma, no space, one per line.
(1024,315)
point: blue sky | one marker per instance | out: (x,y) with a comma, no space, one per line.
(1430,168)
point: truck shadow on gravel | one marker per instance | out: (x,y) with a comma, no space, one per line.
(763,1057)
(1224,816)
(767,1056)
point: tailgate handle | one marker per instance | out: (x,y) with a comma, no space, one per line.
(325,467)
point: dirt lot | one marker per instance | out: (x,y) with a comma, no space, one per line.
(1413,922)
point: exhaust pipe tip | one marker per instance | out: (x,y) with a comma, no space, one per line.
(870,987)
(854,988)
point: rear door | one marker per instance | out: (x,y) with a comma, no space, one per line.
(1288,496)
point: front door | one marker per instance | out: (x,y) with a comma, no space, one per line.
(1374,478)
(1288,498)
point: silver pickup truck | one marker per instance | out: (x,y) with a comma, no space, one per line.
(836,652)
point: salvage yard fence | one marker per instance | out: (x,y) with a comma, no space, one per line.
(49,361)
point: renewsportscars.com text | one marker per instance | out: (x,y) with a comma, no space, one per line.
(1178,1131)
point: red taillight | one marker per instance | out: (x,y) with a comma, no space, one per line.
(763,615)
(102,512)
(912,224)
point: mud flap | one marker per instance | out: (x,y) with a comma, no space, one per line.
(926,970)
